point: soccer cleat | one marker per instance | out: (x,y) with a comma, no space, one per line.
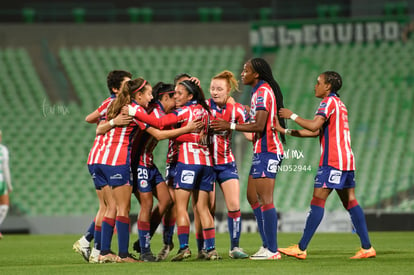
(108,258)
(202,254)
(238,253)
(266,255)
(294,251)
(260,251)
(165,251)
(136,246)
(84,251)
(128,259)
(182,254)
(94,257)
(147,257)
(365,253)
(212,255)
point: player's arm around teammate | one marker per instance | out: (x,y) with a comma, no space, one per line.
(115,80)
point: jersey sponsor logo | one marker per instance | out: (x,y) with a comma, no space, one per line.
(116,177)
(143,183)
(198,113)
(272,165)
(335,176)
(187,176)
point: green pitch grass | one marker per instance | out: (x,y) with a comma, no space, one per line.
(327,254)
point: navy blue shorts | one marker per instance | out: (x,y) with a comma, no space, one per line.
(265,165)
(329,177)
(98,181)
(194,177)
(225,172)
(113,176)
(147,178)
(170,172)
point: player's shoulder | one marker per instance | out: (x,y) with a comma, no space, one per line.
(107,100)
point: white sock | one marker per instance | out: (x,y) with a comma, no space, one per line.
(4,208)
(83,241)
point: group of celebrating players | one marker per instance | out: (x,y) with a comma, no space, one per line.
(137,115)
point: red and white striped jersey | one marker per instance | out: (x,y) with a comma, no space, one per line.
(335,137)
(221,140)
(117,142)
(193,152)
(147,142)
(102,109)
(263,98)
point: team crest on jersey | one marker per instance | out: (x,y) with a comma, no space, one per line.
(323,105)
(143,183)
(187,176)
(335,176)
(272,165)
(260,99)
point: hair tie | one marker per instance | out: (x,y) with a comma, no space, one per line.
(188,87)
(140,87)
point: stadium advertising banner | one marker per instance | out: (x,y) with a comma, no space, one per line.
(267,36)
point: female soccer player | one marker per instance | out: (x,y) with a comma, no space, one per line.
(224,162)
(113,164)
(268,150)
(194,167)
(169,217)
(336,167)
(146,175)
(115,80)
(5,182)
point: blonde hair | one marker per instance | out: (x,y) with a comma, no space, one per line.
(128,91)
(229,77)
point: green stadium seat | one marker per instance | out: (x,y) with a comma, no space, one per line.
(265,14)
(79,15)
(29,15)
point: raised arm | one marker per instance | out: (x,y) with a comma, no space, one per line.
(93,117)
(303,133)
(159,123)
(257,126)
(192,126)
(312,125)
(119,120)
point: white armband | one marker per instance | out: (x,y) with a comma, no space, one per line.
(112,123)
(293,116)
(233,126)
(288,132)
